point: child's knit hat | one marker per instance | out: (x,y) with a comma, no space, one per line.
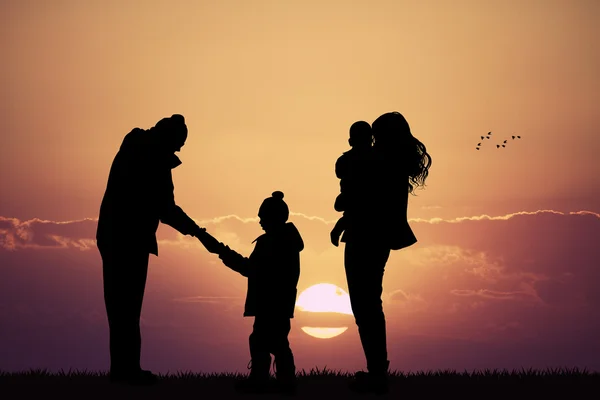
(274,208)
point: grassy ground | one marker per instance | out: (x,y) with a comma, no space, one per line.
(315,384)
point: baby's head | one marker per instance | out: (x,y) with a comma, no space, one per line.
(360,134)
(273,212)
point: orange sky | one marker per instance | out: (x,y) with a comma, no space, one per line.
(269,90)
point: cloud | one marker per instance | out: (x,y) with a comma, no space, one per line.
(491,294)
(236,231)
(36,233)
(399,300)
(519,281)
(207,299)
(524,256)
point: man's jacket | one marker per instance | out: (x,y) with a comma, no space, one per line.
(139,195)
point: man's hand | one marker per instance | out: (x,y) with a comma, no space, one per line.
(198,231)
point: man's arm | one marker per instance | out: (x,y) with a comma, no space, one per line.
(210,243)
(172,215)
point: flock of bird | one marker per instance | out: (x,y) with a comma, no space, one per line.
(503,144)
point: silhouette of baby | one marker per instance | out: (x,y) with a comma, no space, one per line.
(351,169)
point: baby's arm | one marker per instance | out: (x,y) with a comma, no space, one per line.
(341,167)
(337,230)
(340,225)
(234,260)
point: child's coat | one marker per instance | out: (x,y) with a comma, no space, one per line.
(273,270)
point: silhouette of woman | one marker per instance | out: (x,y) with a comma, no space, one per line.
(400,163)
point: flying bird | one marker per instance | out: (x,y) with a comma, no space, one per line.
(501,144)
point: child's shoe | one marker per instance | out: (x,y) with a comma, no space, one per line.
(285,373)
(258,380)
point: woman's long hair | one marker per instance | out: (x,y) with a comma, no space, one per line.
(403,151)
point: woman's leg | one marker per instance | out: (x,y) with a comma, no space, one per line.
(365,264)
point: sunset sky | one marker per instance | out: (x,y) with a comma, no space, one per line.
(505,273)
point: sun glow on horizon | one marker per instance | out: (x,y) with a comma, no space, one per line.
(324,297)
(324,333)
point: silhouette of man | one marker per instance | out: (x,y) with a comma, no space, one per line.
(138,196)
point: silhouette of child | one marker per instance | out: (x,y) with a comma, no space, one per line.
(351,169)
(273,270)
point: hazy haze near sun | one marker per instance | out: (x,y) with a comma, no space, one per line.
(269,90)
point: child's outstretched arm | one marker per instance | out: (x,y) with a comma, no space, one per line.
(211,244)
(234,260)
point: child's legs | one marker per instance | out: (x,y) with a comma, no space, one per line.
(280,348)
(259,348)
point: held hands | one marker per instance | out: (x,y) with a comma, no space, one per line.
(208,241)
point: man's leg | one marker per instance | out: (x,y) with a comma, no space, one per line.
(125,275)
(138,285)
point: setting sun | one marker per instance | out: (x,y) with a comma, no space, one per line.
(324,298)
(324,333)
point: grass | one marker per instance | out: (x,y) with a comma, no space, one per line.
(314,384)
